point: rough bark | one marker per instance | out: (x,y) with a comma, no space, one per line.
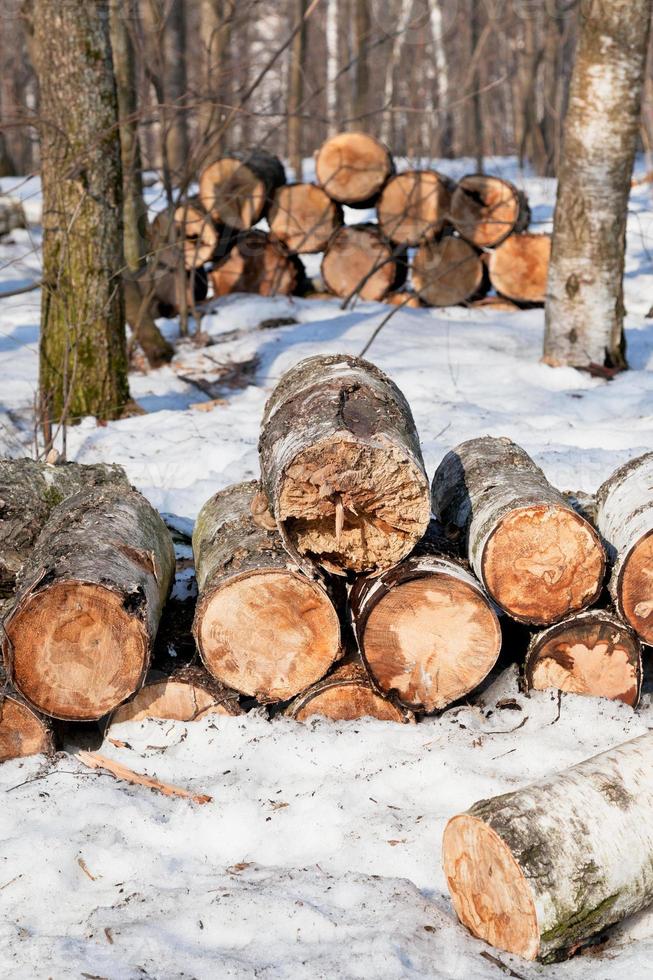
(414,206)
(303,217)
(342,467)
(485,210)
(592,653)
(519,267)
(83,357)
(259,264)
(537,558)
(175,86)
(345,695)
(79,633)
(23,731)
(361,67)
(296,88)
(262,627)
(352,168)
(187,694)
(448,272)
(624,516)
(538,871)
(584,314)
(236,190)
(359,261)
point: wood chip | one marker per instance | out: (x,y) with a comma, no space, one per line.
(94,760)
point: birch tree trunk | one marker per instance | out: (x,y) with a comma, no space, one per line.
(332,61)
(396,45)
(83,356)
(584,313)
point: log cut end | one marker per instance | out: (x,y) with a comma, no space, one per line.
(543,562)
(636,588)
(22,732)
(77,652)
(448,272)
(519,268)
(485,210)
(359,261)
(352,507)
(197,233)
(489,891)
(413,206)
(303,217)
(232,193)
(268,634)
(346,696)
(175,700)
(256,264)
(353,167)
(431,640)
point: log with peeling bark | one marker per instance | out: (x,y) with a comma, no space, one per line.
(426,628)
(448,272)
(257,264)
(485,210)
(345,695)
(263,628)
(79,632)
(342,467)
(593,653)
(537,557)
(23,731)
(352,168)
(303,217)
(186,694)
(190,227)
(359,261)
(414,206)
(519,267)
(540,870)
(236,190)
(624,516)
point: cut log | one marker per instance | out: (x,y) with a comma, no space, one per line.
(538,558)
(414,206)
(625,519)
(538,871)
(191,228)
(426,630)
(256,264)
(352,168)
(303,217)
(345,695)
(591,653)
(359,261)
(22,730)
(408,299)
(262,627)
(79,633)
(519,267)
(448,272)
(237,189)
(185,695)
(485,210)
(28,493)
(342,467)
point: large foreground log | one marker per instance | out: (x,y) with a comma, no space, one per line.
(185,695)
(485,210)
(448,272)
(359,261)
(345,695)
(257,264)
(303,217)
(342,467)
(79,633)
(519,267)
(352,168)
(625,519)
(537,557)
(538,871)
(22,730)
(414,206)
(237,189)
(426,630)
(262,627)
(591,653)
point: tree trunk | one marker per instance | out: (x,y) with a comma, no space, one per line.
(448,272)
(79,633)
(584,314)
(236,190)
(591,653)
(134,213)
(83,357)
(485,210)
(23,731)
(358,261)
(362,30)
(303,217)
(519,267)
(332,51)
(538,871)
(414,206)
(346,695)
(141,307)
(342,467)
(352,168)
(175,53)
(257,264)
(187,694)
(538,558)
(216,20)
(425,628)
(625,519)
(262,627)
(396,40)
(296,88)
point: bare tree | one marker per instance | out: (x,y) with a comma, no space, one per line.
(584,312)
(332,66)
(296,87)
(216,22)
(361,64)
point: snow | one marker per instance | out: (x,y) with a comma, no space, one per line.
(319,855)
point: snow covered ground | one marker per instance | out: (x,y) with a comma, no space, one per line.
(319,854)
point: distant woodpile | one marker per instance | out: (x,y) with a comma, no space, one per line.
(434,242)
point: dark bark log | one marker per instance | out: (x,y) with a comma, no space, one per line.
(519,267)
(187,694)
(237,189)
(259,264)
(414,206)
(303,218)
(352,168)
(358,261)
(448,272)
(485,210)
(346,695)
